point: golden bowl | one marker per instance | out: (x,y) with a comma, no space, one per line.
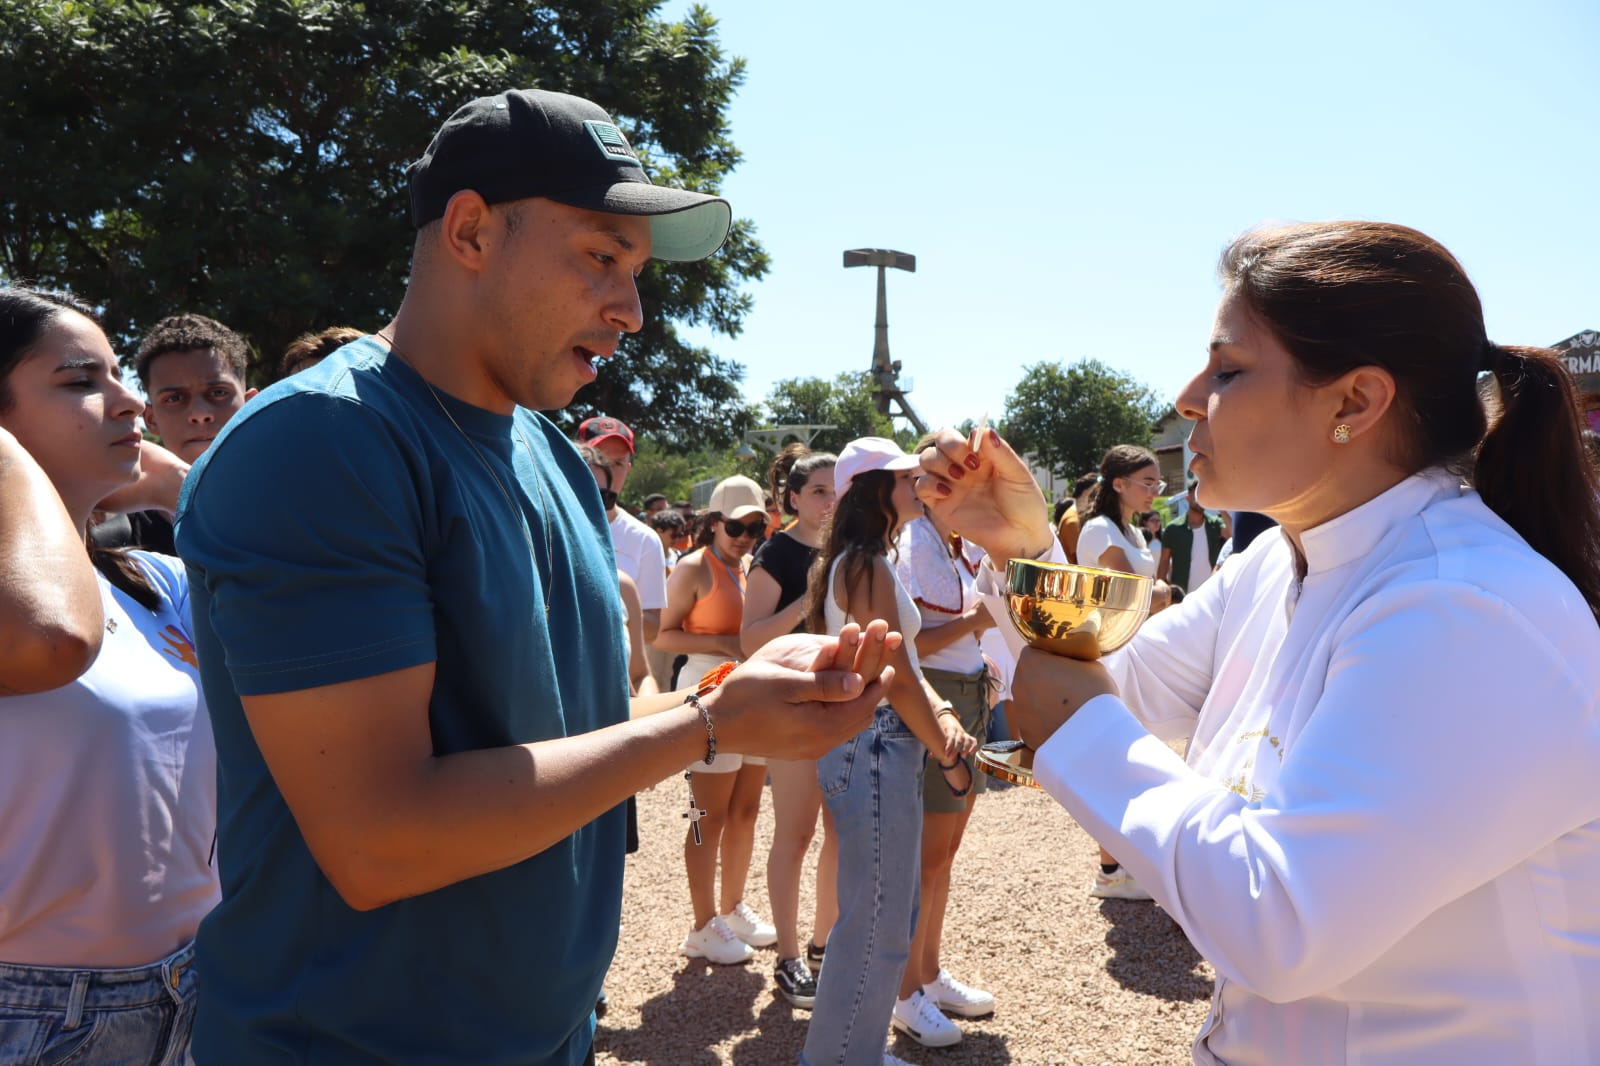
(1081,612)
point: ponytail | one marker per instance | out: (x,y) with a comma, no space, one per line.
(1533,469)
(120,569)
(792,470)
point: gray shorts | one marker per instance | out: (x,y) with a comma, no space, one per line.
(970,694)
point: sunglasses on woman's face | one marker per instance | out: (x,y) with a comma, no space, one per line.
(753,528)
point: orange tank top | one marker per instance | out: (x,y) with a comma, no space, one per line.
(722,610)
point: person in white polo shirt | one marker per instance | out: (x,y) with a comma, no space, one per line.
(638,547)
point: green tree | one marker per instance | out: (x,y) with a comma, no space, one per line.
(675,473)
(246,160)
(1068,416)
(845,402)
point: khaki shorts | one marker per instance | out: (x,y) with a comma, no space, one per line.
(970,694)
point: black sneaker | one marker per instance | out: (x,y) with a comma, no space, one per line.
(795,982)
(814,955)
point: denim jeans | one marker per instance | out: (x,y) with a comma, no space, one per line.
(137,1017)
(872,785)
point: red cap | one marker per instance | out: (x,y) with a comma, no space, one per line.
(595,430)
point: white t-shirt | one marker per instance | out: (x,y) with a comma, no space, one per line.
(108,788)
(1199,559)
(941,587)
(1099,534)
(641,556)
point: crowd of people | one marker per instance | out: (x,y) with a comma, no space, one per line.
(320,719)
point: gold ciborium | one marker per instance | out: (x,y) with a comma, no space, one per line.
(1081,612)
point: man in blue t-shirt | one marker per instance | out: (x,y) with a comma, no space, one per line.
(406,612)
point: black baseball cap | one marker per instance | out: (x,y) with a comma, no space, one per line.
(529,142)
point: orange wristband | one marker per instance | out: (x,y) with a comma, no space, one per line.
(714,677)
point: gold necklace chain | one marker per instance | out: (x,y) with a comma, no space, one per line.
(544,509)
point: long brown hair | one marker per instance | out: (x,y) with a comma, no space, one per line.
(863,522)
(1121,460)
(1342,295)
(24,316)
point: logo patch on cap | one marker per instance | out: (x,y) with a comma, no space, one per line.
(611,141)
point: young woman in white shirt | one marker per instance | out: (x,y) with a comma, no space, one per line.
(107,767)
(1385,836)
(1130,481)
(1110,537)
(935,567)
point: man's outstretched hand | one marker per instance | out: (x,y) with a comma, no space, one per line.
(801,695)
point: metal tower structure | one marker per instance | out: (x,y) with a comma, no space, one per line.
(886,390)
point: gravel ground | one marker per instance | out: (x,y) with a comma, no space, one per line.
(1079,981)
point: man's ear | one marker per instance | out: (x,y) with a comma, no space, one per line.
(249,394)
(466,229)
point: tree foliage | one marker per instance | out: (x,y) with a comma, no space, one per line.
(245,159)
(675,474)
(1068,416)
(845,402)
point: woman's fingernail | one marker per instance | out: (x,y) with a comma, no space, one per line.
(956,473)
(944,490)
(972,462)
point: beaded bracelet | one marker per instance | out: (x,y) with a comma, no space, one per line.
(711,680)
(693,700)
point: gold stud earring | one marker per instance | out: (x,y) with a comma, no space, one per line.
(1341,433)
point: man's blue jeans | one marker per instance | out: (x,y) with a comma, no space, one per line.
(135,1017)
(872,785)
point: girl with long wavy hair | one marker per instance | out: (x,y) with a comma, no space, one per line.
(872,783)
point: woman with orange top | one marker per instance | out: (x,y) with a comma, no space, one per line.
(705,607)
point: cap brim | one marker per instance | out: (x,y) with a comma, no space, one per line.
(592,441)
(905,462)
(684,226)
(747,509)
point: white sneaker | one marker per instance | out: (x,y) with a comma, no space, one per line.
(748,926)
(951,995)
(1119,885)
(923,1022)
(715,942)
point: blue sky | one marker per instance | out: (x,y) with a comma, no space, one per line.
(1066,174)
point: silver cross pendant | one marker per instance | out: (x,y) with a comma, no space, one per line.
(694,814)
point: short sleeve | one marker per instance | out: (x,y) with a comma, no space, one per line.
(652,578)
(306,526)
(171,580)
(1094,537)
(905,563)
